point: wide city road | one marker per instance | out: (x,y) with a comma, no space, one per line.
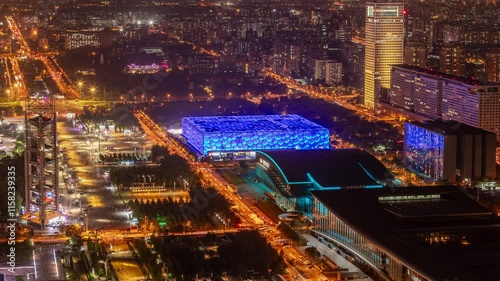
(212,178)
(56,72)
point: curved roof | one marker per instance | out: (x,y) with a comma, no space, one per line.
(330,168)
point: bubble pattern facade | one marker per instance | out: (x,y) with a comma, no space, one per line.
(252,133)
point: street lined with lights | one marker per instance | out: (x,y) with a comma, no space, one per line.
(251,216)
(57,74)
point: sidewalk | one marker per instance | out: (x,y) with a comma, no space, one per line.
(334,257)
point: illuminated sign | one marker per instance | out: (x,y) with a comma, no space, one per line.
(264,163)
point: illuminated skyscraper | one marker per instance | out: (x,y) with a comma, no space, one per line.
(384,39)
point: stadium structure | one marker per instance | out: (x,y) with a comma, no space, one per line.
(289,176)
(213,136)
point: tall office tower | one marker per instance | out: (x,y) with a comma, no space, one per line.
(41,159)
(384,43)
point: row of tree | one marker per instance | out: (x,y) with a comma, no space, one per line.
(121,115)
(198,212)
(290,233)
(240,254)
(117,157)
(172,168)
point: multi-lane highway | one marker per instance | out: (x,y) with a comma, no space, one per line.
(59,76)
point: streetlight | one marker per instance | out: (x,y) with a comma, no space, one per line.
(80,84)
(16,86)
(92,91)
(95,239)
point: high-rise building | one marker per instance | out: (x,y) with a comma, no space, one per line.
(492,66)
(333,74)
(415,54)
(473,103)
(402,88)
(384,40)
(441,96)
(452,60)
(330,70)
(416,89)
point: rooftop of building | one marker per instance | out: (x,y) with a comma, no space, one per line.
(251,123)
(450,127)
(438,231)
(470,81)
(330,168)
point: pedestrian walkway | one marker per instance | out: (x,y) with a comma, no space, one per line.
(125,266)
(334,257)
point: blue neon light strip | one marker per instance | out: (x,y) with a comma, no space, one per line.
(320,186)
(371,176)
(312,180)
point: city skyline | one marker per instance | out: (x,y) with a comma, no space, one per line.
(249,140)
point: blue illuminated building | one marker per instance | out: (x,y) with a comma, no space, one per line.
(252,133)
(450,151)
(424,151)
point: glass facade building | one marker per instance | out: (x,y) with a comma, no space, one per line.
(449,151)
(384,41)
(252,133)
(424,151)
(331,227)
(409,234)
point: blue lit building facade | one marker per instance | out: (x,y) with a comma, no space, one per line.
(449,151)
(209,135)
(424,151)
